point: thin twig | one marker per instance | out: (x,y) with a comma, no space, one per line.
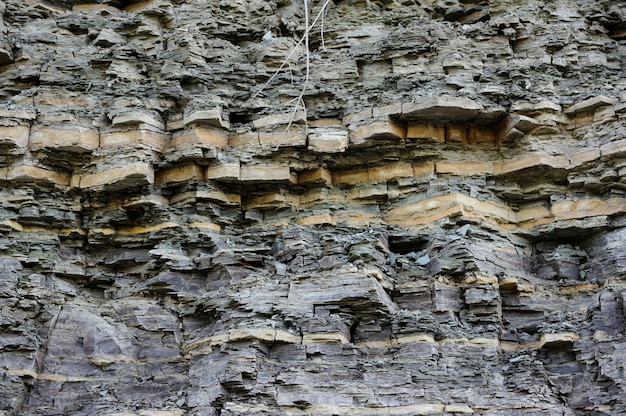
(307,53)
(322,26)
(293,50)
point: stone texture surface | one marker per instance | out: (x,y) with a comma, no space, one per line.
(442,231)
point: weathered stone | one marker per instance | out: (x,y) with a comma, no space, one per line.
(179,175)
(293,137)
(433,234)
(317,176)
(224,172)
(64,138)
(131,138)
(279,119)
(134,117)
(328,139)
(464,168)
(271,174)
(426,131)
(201,137)
(212,117)
(35,174)
(14,136)
(590,104)
(136,174)
(456,133)
(367,134)
(441,109)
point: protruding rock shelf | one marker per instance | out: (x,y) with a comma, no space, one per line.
(441,231)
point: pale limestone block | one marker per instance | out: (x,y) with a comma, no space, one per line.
(322,195)
(365,193)
(416,409)
(155,412)
(135,174)
(316,176)
(604,115)
(377,130)
(328,139)
(534,160)
(458,408)
(271,201)
(35,174)
(558,338)
(317,219)
(325,337)
(423,169)
(66,138)
(219,196)
(583,156)
(202,137)
(134,138)
(591,207)
(230,172)
(174,123)
(180,174)
(325,122)
(527,107)
(136,7)
(279,119)
(146,201)
(246,140)
(426,131)
(14,136)
(212,117)
(387,110)
(350,177)
(464,167)
(480,135)
(456,133)
(432,209)
(590,104)
(532,215)
(387,172)
(291,138)
(138,117)
(424,211)
(441,109)
(268,173)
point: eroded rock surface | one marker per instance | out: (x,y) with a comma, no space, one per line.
(442,230)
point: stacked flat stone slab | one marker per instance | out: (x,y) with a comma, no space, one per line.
(441,231)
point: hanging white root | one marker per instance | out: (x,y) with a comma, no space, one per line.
(299,101)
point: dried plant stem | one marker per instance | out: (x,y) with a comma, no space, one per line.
(299,101)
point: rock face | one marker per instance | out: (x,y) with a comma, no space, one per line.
(441,230)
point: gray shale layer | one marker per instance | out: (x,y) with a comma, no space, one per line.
(441,231)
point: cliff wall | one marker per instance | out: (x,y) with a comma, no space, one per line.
(423,212)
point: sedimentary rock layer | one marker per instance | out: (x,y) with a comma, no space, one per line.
(430,219)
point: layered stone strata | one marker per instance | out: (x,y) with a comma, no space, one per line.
(440,232)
